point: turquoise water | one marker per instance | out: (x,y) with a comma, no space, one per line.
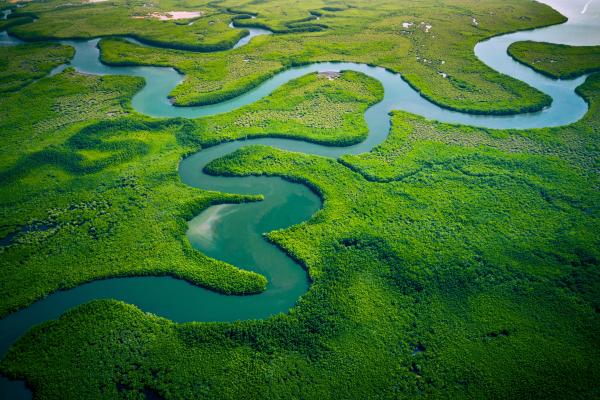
(233,233)
(253,32)
(567,106)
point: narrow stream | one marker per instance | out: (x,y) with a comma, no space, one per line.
(253,33)
(233,232)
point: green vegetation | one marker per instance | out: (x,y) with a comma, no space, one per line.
(474,277)
(556,60)
(80,168)
(20,65)
(72,176)
(397,158)
(212,78)
(12,22)
(312,108)
(451,262)
(84,20)
(369,32)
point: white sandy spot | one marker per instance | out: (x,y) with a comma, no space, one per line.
(407,25)
(171,15)
(203,226)
(585,7)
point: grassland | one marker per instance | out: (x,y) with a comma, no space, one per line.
(555,60)
(449,262)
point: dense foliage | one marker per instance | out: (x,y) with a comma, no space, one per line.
(12,22)
(56,19)
(79,167)
(434,54)
(556,60)
(20,65)
(450,262)
(474,276)
(313,108)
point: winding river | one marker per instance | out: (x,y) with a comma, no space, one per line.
(234,232)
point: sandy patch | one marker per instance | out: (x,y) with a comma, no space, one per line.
(203,227)
(407,25)
(171,15)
